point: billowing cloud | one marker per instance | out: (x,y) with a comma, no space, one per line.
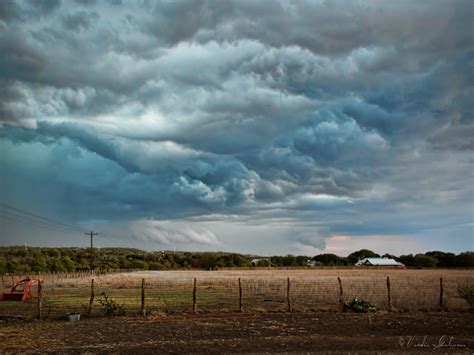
(289,122)
(169,233)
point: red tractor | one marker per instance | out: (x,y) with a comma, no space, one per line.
(20,291)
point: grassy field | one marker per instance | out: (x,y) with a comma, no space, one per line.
(262,290)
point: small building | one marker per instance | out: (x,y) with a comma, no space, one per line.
(311,263)
(261,262)
(380,262)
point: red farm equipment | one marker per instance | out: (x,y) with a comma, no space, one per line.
(20,291)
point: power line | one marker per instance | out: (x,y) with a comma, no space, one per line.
(41,217)
(47,223)
(21,221)
(32,220)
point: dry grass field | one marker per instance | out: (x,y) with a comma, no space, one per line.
(263,290)
(315,325)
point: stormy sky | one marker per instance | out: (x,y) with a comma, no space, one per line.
(268,127)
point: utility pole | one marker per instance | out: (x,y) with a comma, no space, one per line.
(92,234)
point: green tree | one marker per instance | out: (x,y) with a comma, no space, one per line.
(55,265)
(68,264)
(208,261)
(263,263)
(422,260)
(329,259)
(3,265)
(360,254)
(138,264)
(38,264)
(13,266)
(443,259)
(54,253)
(465,259)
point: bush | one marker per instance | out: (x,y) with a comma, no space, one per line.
(466,292)
(111,308)
(360,306)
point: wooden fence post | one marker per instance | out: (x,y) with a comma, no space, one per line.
(40,298)
(194,295)
(240,295)
(288,298)
(341,294)
(441,293)
(389,295)
(143,310)
(91,301)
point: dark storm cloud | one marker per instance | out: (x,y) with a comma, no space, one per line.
(307,111)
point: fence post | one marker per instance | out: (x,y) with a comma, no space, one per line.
(441,292)
(40,298)
(194,296)
(341,294)
(91,301)
(240,295)
(288,298)
(389,295)
(143,310)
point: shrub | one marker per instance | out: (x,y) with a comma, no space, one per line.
(110,307)
(360,306)
(466,292)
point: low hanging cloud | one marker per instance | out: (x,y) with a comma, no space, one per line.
(171,233)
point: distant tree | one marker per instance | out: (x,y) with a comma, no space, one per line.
(138,264)
(21,252)
(360,254)
(38,264)
(13,266)
(422,260)
(263,263)
(277,260)
(465,259)
(240,260)
(290,260)
(208,261)
(443,259)
(55,265)
(302,260)
(390,256)
(328,259)
(195,263)
(54,253)
(68,264)
(3,265)
(225,261)
(407,260)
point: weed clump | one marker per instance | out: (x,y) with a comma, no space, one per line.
(466,292)
(360,306)
(110,307)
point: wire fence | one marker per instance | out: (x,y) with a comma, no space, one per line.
(132,294)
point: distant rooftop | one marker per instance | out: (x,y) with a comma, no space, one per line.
(379,262)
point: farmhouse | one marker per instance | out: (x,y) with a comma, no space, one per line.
(379,262)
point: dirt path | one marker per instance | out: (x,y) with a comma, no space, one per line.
(263,332)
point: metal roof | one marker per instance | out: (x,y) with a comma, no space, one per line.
(379,261)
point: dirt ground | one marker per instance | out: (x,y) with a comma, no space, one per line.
(443,332)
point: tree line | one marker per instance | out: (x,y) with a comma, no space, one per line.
(18,259)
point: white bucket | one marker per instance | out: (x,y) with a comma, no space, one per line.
(73,317)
